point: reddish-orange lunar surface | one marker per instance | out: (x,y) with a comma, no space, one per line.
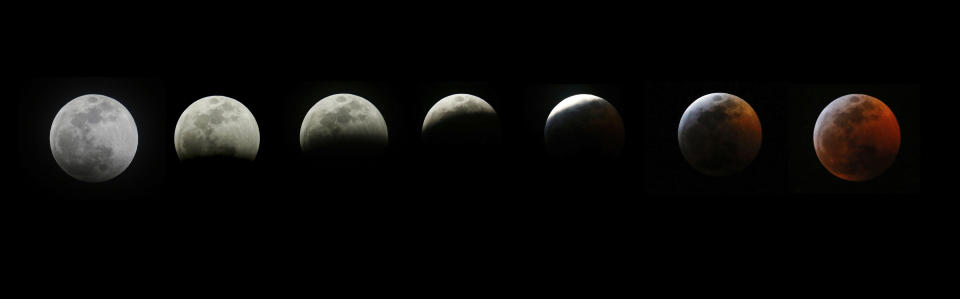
(856,137)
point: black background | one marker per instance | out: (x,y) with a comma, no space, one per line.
(503,207)
(651,107)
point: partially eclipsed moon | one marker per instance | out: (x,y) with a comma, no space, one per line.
(93,138)
(343,124)
(217,126)
(461,119)
(719,134)
(584,125)
(856,137)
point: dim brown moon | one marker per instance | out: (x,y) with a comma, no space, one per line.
(856,137)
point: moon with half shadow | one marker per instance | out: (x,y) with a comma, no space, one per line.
(856,137)
(217,126)
(719,134)
(343,125)
(93,138)
(585,126)
(461,119)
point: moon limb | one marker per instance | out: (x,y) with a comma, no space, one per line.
(93,138)
(217,126)
(856,137)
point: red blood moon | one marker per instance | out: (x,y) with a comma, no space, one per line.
(856,137)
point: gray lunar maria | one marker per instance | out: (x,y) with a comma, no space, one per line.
(217,126)
(93,138)
(343,124)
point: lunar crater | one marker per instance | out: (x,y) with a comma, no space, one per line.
(93,138)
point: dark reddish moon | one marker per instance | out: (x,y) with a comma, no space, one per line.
(856,137)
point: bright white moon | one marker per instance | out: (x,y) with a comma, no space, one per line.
(93,138)
(217,126)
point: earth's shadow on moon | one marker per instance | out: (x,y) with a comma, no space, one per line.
(464,130)
(845,149)
(461,157)
(667,172)
(218,178)
(356,147)
(577,135)
(907,174)
(467,145)
(345,154)
(464,142)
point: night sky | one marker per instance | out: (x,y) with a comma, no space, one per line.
(649,68)
(649,199)
(507,213)
(650,164)
(649,76)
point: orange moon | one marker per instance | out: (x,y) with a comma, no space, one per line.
(856,137)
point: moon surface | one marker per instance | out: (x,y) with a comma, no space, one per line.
(719,134)
(856,137)
(584,125)
(93,138)
(461,119)
(343,124)
(217,126)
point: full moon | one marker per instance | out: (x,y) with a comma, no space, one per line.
(856,137)
(343,124)
(93,138)
(719,134)
(461,119)
(584,125)
(217,126)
